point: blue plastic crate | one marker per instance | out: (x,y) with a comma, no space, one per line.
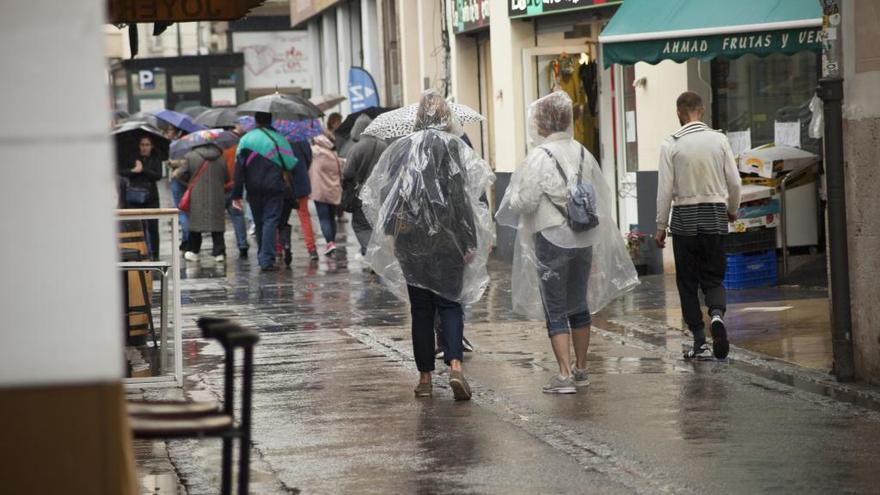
(745,271)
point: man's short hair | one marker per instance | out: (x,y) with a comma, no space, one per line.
(689,102)
(263,119)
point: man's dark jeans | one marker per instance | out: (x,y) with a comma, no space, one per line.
(267,216)
(423,305)
(700,263)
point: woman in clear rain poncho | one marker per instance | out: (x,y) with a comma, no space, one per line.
(431,233)
(561,274)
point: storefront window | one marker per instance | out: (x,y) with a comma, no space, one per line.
(754,95)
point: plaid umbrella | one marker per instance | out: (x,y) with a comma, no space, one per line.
(219,137)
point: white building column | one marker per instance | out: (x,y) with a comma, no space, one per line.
(343,52)
(329,52)
(370,35)
(316,57)
(410,54)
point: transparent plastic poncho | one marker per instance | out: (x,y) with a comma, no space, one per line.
(430,228)
(527,207)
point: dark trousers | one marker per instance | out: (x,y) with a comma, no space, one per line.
(700,263)
(423,305)
(267,211)
(218,243)
(362,229)
(327,217)
(151,228)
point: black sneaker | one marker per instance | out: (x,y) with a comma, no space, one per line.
(466,345)
(720,345)
(242,252)
(313,255)
(288,256)
(700,353)
(270,268)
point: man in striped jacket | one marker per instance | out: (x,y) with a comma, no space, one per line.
(698,179)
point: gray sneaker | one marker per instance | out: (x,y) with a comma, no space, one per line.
(459,385)
(424,390)
(581,377)
(560,385)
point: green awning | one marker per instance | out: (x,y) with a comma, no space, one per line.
(652,30)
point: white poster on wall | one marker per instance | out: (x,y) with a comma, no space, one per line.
(274,58)
(740,141)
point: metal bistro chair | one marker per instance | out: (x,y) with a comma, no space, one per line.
(172,419)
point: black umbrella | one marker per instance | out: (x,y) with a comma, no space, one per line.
(217,117)
(127,137)
(287,107)
(195,111)
(344,129)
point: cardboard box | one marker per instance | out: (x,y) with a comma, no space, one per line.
(744,224)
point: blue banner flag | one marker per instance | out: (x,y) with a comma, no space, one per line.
(362,92)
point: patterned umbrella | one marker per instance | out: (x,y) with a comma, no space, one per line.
(402,122)
(219,137)
(292,130)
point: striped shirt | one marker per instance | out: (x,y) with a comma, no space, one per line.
(703,218)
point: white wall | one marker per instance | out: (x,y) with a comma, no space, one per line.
(508,40)
(329,54)
(408,22)
(61,302)
(343,52)
(655,107)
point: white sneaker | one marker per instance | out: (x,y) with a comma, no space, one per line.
(190,256)
(220,258)
(699,353)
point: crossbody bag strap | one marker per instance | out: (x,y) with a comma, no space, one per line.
(564,180)
(199,172)
(277,148)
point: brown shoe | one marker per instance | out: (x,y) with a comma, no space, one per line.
(423,390)
(459,385)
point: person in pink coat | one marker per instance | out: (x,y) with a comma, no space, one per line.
(325,175)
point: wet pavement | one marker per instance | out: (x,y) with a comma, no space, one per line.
(334,410)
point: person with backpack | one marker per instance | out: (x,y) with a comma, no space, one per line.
(569,257)
(431,233)
(263,164)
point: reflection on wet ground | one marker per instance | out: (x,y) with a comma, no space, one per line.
(334,411)
(788,322)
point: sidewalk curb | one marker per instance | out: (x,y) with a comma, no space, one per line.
(799,377)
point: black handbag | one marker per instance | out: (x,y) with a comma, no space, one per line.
(137,195)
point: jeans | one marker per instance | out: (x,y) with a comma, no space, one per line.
(236,216)
(327,217)
(177,190)
(267,211)
(423,305)
(218,243)
(151,228)
(700,263)
(362,229)
(564,276)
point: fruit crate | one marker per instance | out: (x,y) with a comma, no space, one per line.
(745,271)
(750,241)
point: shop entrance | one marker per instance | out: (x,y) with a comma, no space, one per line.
(573,69)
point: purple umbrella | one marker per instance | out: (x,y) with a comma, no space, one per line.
(179,120)
(292,130)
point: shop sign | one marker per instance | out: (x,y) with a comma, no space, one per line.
(708,47)
(529,8)
(186,84)
(132,11)
(274,59)
(470,15)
